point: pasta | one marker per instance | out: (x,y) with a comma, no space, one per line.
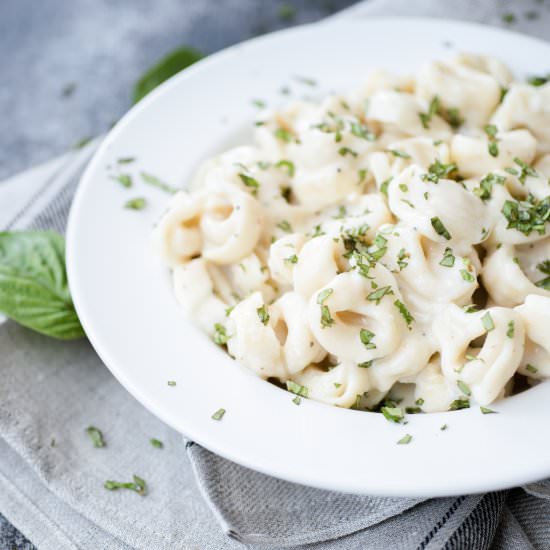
(380,247)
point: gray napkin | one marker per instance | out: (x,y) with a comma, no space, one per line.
(51,477)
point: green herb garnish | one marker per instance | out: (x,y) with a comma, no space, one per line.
(379,293)
(527,216)
(298,389)
(366,337)
(487,322)
(544,267)
(433,109)
(511,329)
(138,485)
(531,368)
(263,314)
(124,179)
(139,203)
(402,308)
(218,415)
(438,170)
(439,228)
(285,226)
(458,404)
(485,410)
(393,414)
(399,154)
(448,258)
(220,335)
(157,182)
(251,182)
(156,443)
(464,388)
(405,440)
(96,436)
(287,165)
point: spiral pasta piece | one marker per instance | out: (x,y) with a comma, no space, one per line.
(480,372)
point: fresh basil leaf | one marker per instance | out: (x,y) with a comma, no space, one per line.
(34,290)
(167,67)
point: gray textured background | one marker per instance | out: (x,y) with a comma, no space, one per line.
(68,66)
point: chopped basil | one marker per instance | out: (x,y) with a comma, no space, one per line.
(544,267)
(439,170)
(485,410)
(220,335)
(218,415)
(384,186)
(317,232)
(531,368)
(124,179)
(467,276)
(298,389)
(259,103)
(403,188)
(433,109)
(251,182)
(323,295)
(297,400)
(305,80)
(405,440)
(393,414)
(402,308)
(286,192)
(96,436)
(448,258)
(360,131)
(528,215)
(538,80)
(366,337)
(464,388)
(444,427)
(362,175)
(343,151)
(292,259)
(439,228)
(126,160)
(511,329)
(171,383)
(139,203)
(401,262)
(508,18)
(284,135)
(399,154)
(287,165)
(285,226)
(471,308)
(156,443)
(378,294)
(458,404)
(326,318)
(365,364)
(263,314)
(493,148)
(525,170)
(157,182)
(138,485)
(487,322)
(485,188)
(342,212)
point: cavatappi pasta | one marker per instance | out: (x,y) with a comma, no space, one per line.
(389,244)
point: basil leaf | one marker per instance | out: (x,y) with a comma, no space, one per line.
(167,67)
(33,283)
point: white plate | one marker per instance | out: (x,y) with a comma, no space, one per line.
(124,298)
